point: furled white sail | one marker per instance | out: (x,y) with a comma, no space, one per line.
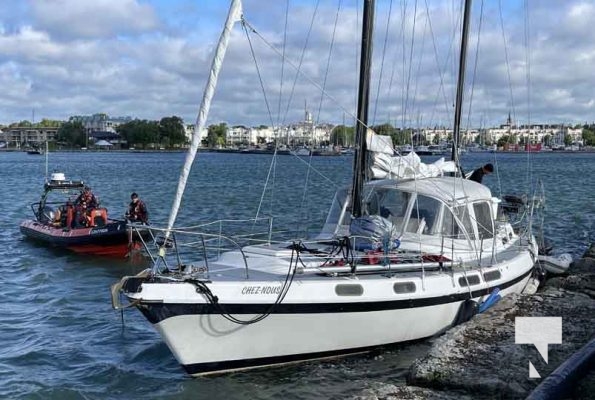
(383,164)
(234,15)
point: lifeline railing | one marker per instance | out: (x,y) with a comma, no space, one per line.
(205,243)
(202,243)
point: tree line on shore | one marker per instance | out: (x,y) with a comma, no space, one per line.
(169,132)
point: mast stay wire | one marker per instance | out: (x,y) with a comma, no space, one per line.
(393,69)
(328,60)
(303,203)
(272,168)
(298,71)
(406,97)
(528,77)
(310,80)
(512,105)
(258,73)
(418,72)
(281,80)
(475,68)
(390,8)
(447,61)
(440,70)
(282,64)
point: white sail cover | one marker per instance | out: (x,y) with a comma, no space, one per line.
(234,15)
(384,164)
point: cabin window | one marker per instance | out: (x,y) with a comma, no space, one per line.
(336,221)
(423,215)
(388,203)
(450,226)
(483,216)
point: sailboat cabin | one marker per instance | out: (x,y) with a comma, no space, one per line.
(438,207)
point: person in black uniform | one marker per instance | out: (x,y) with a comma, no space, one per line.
(478,174)
(137,211)
(87,198)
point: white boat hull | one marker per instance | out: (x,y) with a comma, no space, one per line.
(313,321)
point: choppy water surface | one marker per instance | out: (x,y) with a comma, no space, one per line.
(61,339)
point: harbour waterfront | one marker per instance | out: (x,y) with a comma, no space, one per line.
(62,340)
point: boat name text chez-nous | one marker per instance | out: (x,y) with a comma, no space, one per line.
(261,290)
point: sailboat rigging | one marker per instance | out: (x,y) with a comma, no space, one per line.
(402,252)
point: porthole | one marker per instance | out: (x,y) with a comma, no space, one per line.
(492,275)
(404,287)
(349,289)
(469,280)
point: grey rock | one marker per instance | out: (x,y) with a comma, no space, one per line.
(481,357)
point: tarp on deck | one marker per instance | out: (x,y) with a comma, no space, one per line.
(385,164)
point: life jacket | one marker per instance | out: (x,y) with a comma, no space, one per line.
(98,217)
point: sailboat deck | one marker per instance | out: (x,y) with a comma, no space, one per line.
(276,261)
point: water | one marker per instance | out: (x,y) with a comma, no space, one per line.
(62,340)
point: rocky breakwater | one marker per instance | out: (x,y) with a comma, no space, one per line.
(480,359)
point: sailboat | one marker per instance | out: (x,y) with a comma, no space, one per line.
(404,252)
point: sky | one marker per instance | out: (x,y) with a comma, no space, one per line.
(149,59)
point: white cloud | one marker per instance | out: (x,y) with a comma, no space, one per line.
(146,59)
(76,19)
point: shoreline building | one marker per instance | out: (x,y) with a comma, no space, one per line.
(548,134)
(100,122)
(304,133)
(101,126)
(20,137)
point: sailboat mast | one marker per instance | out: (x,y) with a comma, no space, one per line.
(359,164)
(461,83)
